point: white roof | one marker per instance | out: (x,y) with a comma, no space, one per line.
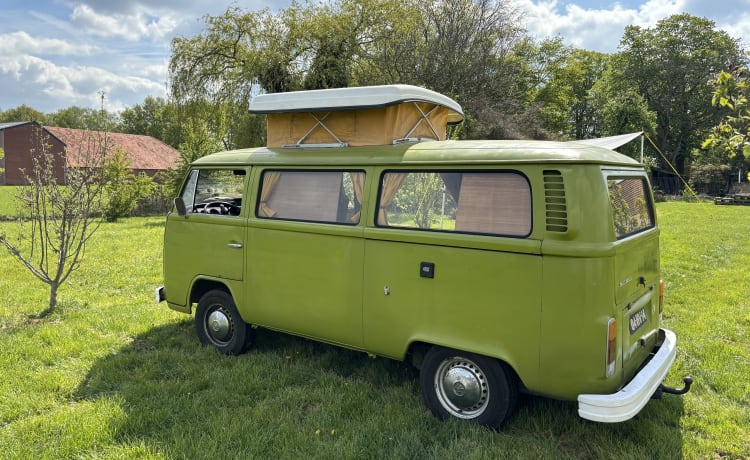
(362,97)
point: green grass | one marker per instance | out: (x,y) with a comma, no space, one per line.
(112,375)
(7,201)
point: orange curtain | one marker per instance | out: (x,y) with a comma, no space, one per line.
(358,184)
(391,184)
(270,179)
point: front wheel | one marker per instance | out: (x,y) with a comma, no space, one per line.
(218,323)
(468,386)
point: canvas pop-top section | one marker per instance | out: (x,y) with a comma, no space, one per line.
(351,117)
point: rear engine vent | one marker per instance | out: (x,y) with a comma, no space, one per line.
(556,208)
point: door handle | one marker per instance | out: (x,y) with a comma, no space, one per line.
(235,245)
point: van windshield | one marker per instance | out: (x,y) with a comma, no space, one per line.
(632,210)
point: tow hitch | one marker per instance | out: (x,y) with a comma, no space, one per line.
(688,381)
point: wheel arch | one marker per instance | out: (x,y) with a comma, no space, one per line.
(204,285)
(417,350)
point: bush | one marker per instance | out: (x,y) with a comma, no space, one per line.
(711,179)
(123,188)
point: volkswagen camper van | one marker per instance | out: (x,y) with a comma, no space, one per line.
(495,267)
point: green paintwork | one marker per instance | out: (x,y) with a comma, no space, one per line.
(539,303)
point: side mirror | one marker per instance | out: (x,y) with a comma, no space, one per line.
(179,205)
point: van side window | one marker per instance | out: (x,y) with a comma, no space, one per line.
(632,211)
(214,191)
(314,196)
(496,203)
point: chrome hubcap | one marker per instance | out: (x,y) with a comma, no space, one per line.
(462,388)
(218,325)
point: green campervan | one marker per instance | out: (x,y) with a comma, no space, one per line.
(495,267)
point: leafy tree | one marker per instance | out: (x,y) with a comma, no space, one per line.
(83,118)
(155,117)
(23,113)
(57,220)
(462,48)
(671,66)
(469,54)
(731,135)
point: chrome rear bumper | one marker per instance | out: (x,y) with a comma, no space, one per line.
(626,403)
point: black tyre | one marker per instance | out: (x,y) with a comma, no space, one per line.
(218,323)
(467,386)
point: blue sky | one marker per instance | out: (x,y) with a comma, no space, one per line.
(59,53)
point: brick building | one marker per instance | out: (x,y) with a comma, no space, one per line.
(146,154)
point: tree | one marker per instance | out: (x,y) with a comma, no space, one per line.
(671,66)
(82,118)
(23,113)
(461,48)
(57,220)
(155,117)
(732,134)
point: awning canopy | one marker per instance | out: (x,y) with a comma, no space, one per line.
(611,142)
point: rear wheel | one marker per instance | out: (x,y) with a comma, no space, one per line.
(218,323)
(468,386)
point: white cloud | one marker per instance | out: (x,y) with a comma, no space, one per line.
(62,86)
(133,27)
(17,43)
(599,29)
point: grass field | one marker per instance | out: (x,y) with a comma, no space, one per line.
(112,375)
(7,201)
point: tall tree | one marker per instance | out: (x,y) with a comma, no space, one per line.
(671,67)
(467,53)
(457,47)
(154,117)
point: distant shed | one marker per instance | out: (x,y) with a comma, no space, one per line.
(19,140)
(146,154)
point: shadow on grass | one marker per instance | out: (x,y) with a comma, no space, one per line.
(181,400)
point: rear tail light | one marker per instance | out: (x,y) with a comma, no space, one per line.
(611,346)
(661,297)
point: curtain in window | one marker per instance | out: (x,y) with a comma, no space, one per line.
(270,179)
(358,183)
(391,184)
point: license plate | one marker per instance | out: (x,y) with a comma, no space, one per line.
(637,320)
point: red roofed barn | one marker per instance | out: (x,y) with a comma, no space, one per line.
(146,154)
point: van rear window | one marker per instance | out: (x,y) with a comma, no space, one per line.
(632,210)
(495,203)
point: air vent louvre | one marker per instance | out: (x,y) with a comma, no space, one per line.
(556,208)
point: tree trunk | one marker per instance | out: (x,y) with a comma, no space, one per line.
(52,301)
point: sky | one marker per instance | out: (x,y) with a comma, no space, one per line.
(60,53)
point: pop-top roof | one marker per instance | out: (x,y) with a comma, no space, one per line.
(362,97)
(348,117)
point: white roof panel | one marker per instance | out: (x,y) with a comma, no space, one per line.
(362,97)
